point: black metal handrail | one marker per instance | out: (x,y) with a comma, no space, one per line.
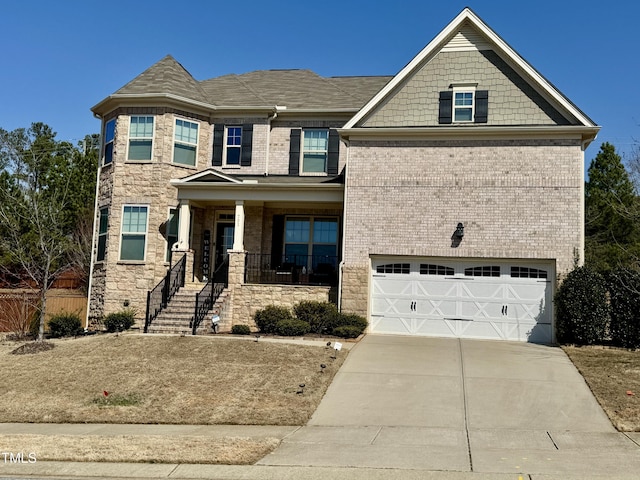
(291,269)
(159,297)
(207,297)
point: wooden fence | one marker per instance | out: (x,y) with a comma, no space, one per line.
(19,306)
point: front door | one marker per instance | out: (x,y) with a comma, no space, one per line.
(224,242)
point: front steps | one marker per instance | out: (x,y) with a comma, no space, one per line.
(176,317)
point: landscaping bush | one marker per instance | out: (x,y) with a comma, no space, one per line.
(321,316)
(240,330)
(267,318)
(347,331)
(291,327)
(65,325)
(349,325)
(624,294)
(120,321)
(582,310)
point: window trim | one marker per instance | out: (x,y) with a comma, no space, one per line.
(176,142)
(303,151)
(225,146)
(458,89)
(144,234)
(153,135)
(106,142)
(102,235)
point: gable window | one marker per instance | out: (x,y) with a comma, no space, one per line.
(109,135)
(315,148)
(233,145)
(172,230)
(133,232)
(185,142)
(463,104)
(102,234)
(140,138)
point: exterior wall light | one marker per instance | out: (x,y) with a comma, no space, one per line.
(459,231)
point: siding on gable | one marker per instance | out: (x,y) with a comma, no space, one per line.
(512,100)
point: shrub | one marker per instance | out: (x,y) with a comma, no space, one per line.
(582,311)
(65,325)
(267,318)
(347,331)
(321,316)
(291,327)
(240,330)
(120,321)
(624,292)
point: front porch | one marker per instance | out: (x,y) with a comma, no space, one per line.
(270,241)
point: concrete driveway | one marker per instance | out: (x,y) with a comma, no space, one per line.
(460,405)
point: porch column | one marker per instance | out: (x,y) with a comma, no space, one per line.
(184,225)
(238,232)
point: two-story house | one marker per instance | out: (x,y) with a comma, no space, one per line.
(445,200)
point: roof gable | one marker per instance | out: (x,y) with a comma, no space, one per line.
(467,35)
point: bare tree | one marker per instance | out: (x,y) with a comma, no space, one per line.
(35,223)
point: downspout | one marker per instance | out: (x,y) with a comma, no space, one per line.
(583,146)
(269,120)
(344,224)
(93,236)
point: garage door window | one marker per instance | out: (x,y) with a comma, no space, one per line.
(404,268)
(484,271)
(431,269)
(525,272)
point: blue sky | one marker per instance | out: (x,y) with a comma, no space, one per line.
(62,57)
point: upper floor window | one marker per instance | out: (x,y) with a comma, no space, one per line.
(315,148)
(314,151)
(133,237)
(102,234)
(463,106)
(109,136)
(185,142)
(233,145)
(140,138)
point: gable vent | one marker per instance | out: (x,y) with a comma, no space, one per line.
(467,38)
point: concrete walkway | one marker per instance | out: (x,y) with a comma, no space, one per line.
(410,408)
(460,405)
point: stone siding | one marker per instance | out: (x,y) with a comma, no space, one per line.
(512,101)
(250,298)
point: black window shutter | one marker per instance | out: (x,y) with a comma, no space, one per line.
(446,106)
(247,141)
(294,151)
(218,138)
(482,106)
(277,235)
(334,152)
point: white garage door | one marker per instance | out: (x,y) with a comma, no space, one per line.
(491,299)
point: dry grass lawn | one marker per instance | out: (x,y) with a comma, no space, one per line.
(166,380)
(173,380)
(614,378)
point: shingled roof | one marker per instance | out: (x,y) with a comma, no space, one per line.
(294,89)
